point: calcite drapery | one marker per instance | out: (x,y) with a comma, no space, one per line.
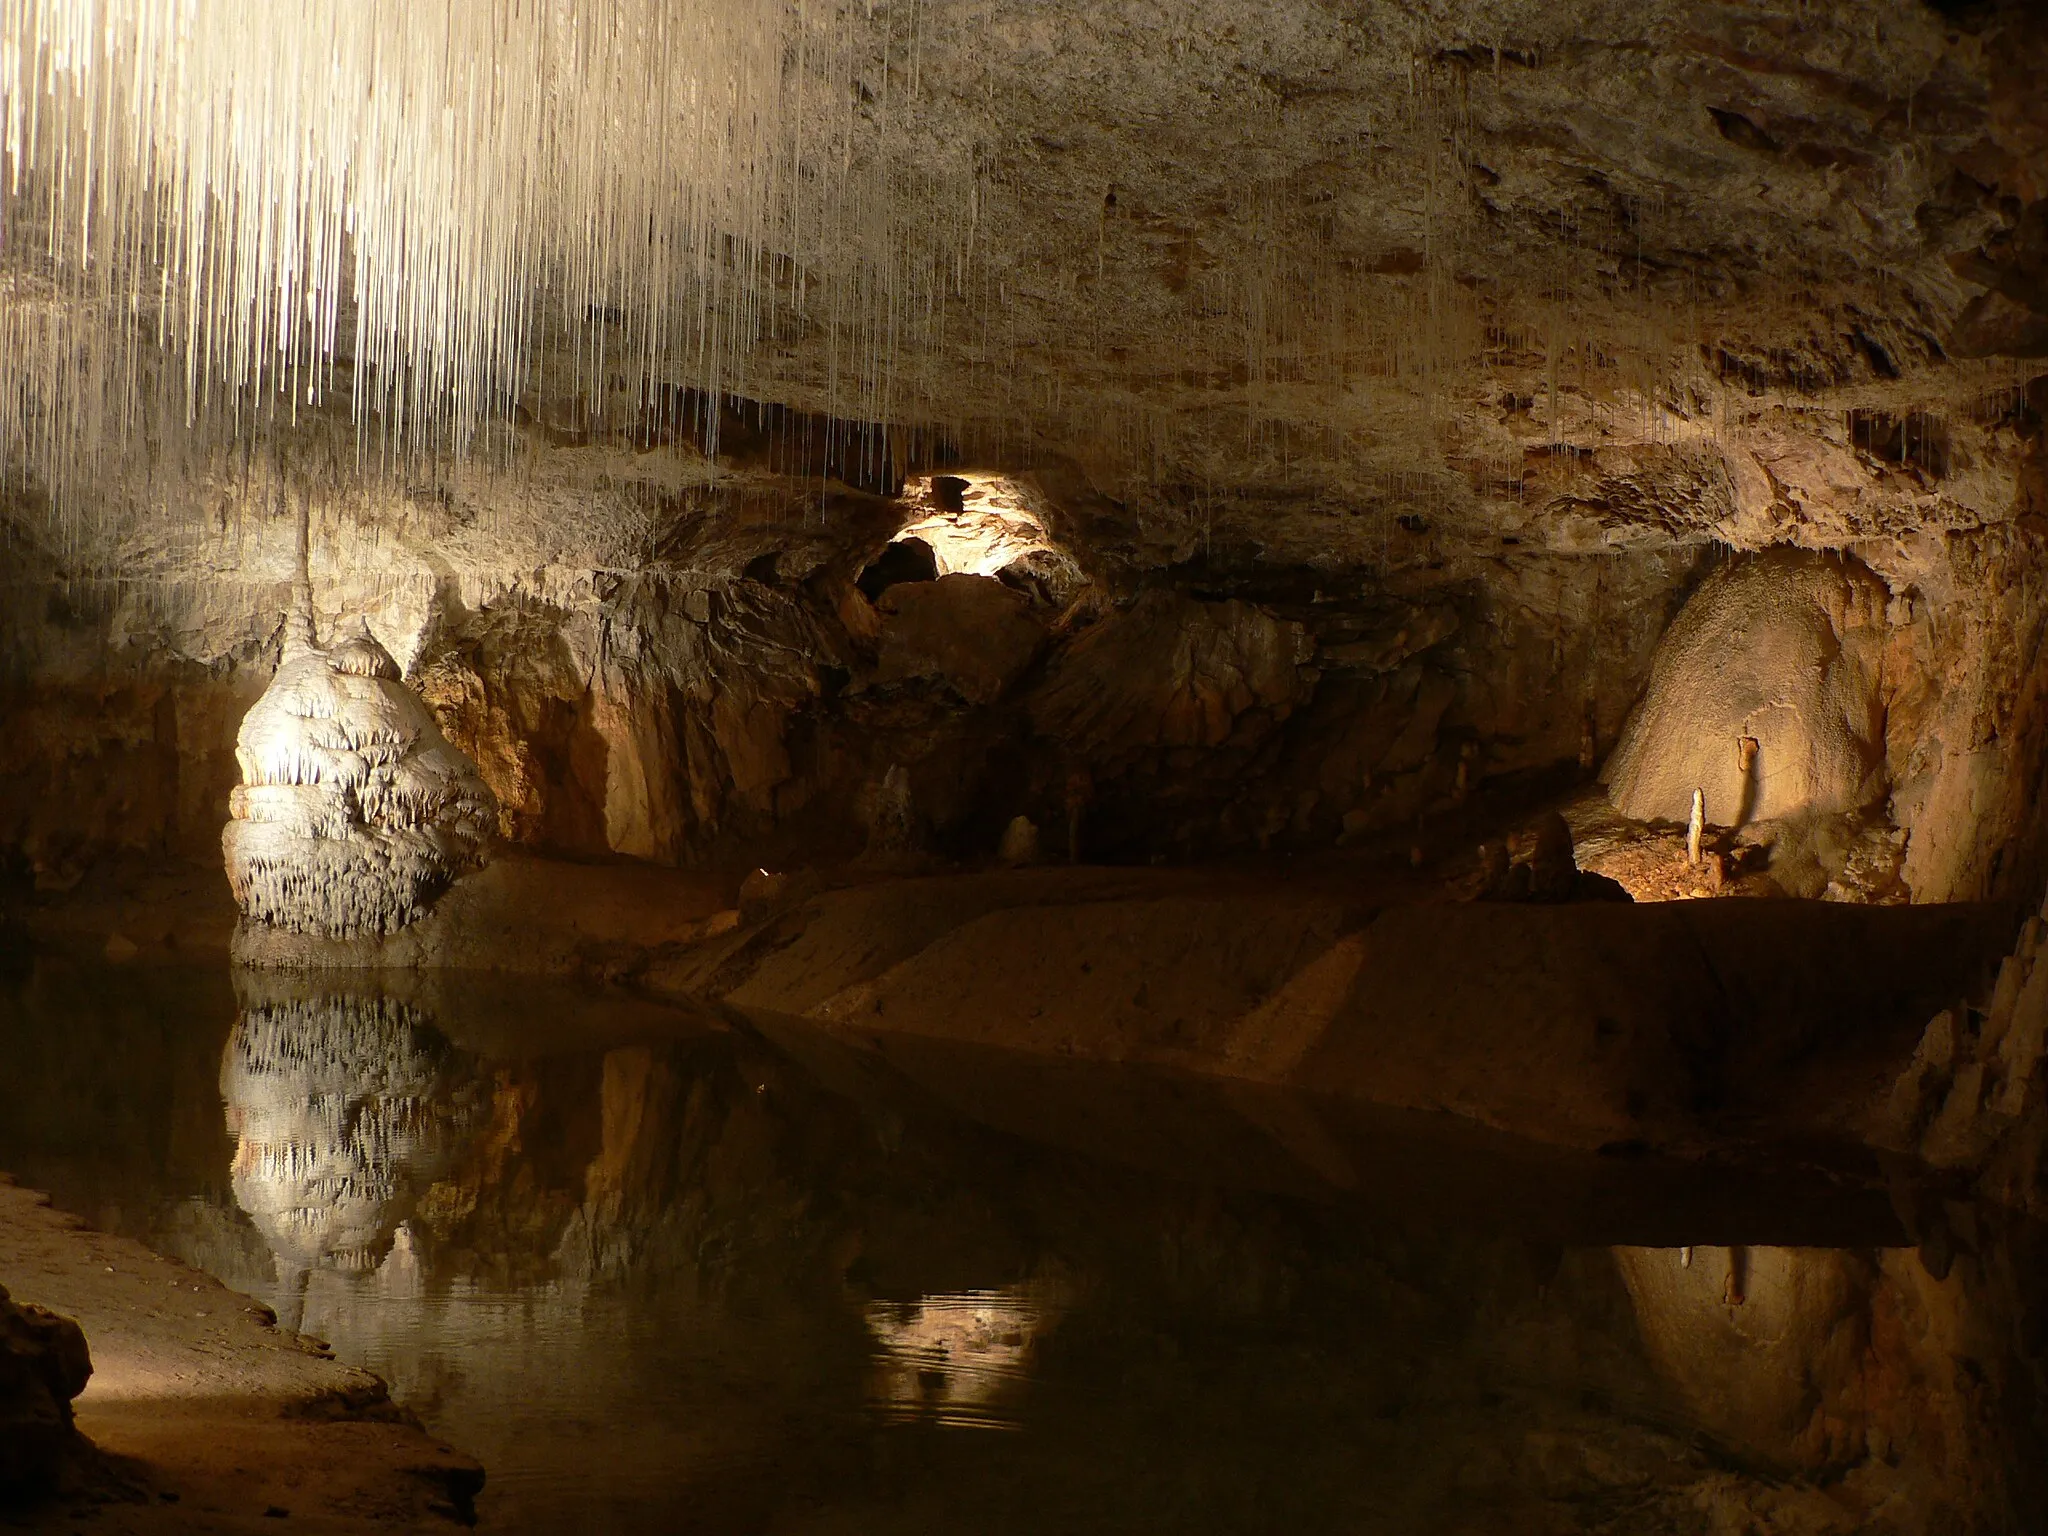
(354,813)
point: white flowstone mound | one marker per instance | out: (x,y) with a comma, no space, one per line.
(1765,694)
(354,813)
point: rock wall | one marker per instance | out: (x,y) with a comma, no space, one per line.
(697,670)
(741,700)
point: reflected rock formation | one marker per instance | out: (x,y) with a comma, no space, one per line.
(344,1109)
(957,1358)
(1765,1346)
(1909,1397)
(354,813)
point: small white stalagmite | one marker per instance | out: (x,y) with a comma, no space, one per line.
(354,813)
(1695,829)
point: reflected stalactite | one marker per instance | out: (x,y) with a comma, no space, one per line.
(344,1109)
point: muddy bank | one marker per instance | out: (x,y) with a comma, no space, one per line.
(202,1416)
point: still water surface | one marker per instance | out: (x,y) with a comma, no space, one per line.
(674,1272)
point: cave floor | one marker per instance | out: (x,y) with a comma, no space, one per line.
(206,1417)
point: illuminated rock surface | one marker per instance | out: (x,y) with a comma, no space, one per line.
(353,813)
(1767,694)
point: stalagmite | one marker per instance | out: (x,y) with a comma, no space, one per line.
(1020,842)
(1695,828)
(354,813)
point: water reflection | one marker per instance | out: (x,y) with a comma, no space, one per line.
(730,1275)
(959,1359)
(343,1109)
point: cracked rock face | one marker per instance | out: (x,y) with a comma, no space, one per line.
(354,813)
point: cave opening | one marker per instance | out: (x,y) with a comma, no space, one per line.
(1024,767)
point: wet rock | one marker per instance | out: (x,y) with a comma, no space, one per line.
(44,1364)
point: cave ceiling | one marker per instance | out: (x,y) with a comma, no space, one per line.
(1310,277)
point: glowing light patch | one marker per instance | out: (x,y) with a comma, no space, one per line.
(996,522)
(957,1358)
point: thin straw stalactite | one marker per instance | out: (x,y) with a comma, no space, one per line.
(424,205)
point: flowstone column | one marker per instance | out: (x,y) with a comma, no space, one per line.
(354,813)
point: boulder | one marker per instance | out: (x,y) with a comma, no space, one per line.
(971,633)
(44,1364)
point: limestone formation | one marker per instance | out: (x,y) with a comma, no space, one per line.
(354,813)
(1783,651)
(1020,843)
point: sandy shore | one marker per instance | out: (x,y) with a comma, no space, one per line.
(204,1415)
